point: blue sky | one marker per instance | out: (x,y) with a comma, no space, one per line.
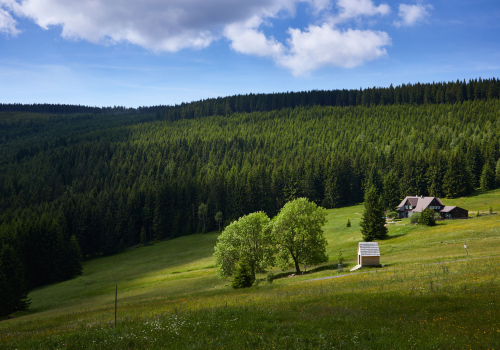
(150,52)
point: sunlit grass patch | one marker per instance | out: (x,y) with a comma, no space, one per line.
(451,305)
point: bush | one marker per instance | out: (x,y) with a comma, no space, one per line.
(243,276)
(348,223)
(340,258)
(270,277)
(414,218)
(392,215)
(427,218)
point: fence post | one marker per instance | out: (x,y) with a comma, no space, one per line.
(116,301)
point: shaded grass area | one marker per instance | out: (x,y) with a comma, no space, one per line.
(155,282)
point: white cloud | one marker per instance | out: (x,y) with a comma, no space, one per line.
(173,25)
(412,14)
(7,23)
(357,8)
(325,45)
(245,38)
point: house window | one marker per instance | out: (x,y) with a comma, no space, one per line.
(406,207)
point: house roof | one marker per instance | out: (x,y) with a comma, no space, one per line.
(418,203)
(368,249)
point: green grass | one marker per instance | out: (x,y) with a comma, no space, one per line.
(171,287)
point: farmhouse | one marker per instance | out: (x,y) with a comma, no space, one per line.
(368,255)
(416,204)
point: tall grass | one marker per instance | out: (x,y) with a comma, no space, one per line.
(445,306)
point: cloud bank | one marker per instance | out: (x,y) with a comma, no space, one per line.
(173,25)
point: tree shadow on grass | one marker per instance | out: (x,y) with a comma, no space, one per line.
(394,236)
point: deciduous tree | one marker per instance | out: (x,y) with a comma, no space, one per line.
(247,238)
(298,234)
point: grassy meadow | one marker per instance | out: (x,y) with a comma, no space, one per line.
(169,295)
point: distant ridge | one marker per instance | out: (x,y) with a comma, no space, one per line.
(71,109)
(430,93)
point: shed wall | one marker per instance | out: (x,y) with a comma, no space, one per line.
(370,260)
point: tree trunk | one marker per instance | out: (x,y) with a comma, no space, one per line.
(297,268)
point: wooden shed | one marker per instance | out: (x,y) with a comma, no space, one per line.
(450,212)
(368,255)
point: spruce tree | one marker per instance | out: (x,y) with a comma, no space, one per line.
(243,276)
(487,177)
(218,218)
(427,218)
(13,286)
(143,235)
(457,178)
(497,174)
(75,257)
(391,195)
(373,223)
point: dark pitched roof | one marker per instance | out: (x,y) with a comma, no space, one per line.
(447,209)
(368,249)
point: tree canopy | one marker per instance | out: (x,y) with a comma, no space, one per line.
(247,238)
(298,234)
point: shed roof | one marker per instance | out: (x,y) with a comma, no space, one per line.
(447,209)
(368,249)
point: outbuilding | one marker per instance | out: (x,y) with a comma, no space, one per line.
(449,212)
(368,255)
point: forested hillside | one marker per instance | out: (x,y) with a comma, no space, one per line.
(107,180)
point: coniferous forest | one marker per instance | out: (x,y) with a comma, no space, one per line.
(77,183)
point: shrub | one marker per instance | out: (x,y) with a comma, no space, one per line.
(414,218)
(340,258)
(243,275)
(427,218)
(270,277)
(392,215)
(348,223)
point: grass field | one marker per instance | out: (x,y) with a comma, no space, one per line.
(170,296)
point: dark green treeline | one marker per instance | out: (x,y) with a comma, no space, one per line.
(438,93)
(414,94)
(106,185)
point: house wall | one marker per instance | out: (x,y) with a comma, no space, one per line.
(370,260)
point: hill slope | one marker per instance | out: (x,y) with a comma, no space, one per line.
(185,265)
(169,295)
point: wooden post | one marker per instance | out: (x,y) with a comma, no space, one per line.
(116,301)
